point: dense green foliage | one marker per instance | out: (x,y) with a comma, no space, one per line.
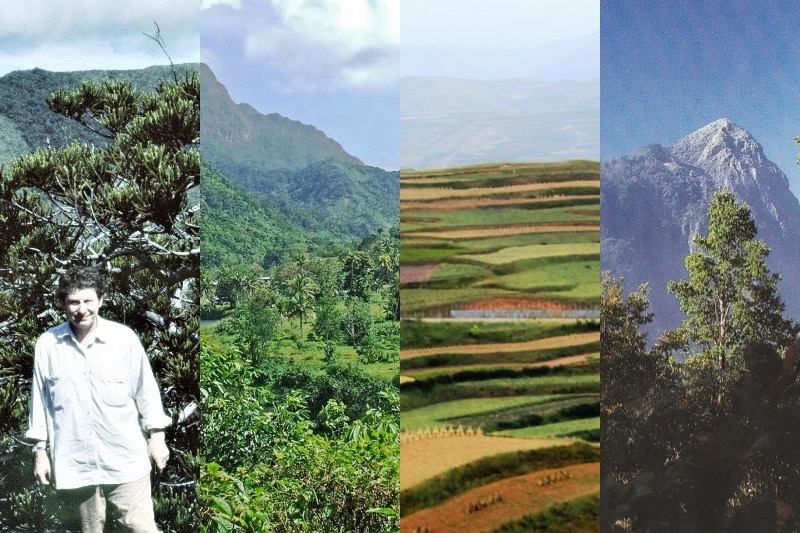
(291,404)
(325,439)
(240,228)
(122,203)
(707,444)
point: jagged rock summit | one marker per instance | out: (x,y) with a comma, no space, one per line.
(656,199)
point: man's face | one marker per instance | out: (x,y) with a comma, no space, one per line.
(82,306)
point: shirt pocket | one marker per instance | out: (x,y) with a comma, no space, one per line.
(56,390)
(114,390)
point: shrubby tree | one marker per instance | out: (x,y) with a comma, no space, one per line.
(125,205)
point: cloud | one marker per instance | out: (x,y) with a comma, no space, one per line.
(208,4)
(95,34)
(314,46)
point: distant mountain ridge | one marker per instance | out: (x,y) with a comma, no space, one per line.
(26,123)
(295,168)
(448,122)
(655,200)
(238,135)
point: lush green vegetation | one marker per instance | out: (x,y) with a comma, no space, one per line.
(326,440)
(299,392)
(319,189)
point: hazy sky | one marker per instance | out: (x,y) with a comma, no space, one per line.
(488,24)
(331,64)
(95,34)
(672,66)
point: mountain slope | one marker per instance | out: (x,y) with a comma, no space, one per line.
(26,123)
(236,138)
(295,167)
(238,227)
(655,200)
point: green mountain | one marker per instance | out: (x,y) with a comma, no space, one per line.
(295,168)
(238,227)
(26,123)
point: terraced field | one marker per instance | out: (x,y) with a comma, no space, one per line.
(499,346)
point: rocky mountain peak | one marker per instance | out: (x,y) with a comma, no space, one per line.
(660,194)
(724,150)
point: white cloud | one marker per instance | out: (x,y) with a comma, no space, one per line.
(331,45)
(95,33)
(208,4)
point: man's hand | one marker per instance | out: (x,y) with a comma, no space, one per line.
(157,449)
(41,468)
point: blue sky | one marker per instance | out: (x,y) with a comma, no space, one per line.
(672,66)
(95,34)
(331,64)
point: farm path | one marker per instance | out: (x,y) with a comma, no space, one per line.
(518,496)
(425,458)
(538,344)
(561,361)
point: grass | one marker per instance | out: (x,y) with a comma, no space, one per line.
(567,274)
(419,299)
(498,217)
(553,430)
(421,393)
(440,414)
(419,334)
(537,251)
(493,244)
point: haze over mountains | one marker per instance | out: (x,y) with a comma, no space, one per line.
(461,106)
(656,199)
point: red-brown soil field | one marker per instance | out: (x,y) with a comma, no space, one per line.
(518,497)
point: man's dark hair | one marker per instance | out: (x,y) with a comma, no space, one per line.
(79,278)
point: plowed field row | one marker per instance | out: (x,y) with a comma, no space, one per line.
(411,193)
(471,203)
(538,344)
(504,230)
(511,499)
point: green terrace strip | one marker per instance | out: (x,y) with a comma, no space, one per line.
(581,515)
(447,413)
(538,414)
(419,334)
(521,357)
(465,218)
(577,427)
(487,470)
(497,383)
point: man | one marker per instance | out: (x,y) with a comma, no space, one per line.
(96,404)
